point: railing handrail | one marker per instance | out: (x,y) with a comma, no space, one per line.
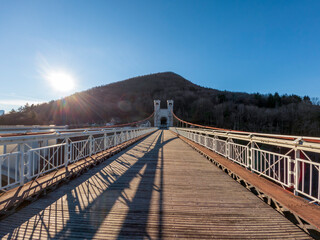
(60,135)
(46,147)
(307,146)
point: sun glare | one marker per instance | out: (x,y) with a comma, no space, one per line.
(61,81)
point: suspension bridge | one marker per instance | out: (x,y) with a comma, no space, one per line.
(174,179)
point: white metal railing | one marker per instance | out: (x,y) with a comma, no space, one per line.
(294,164)
(308,182)
(24,158)
(271,165)
(79,150)
(239,153)
(10,173)
(45,159)
(221,147)
(98,145)
(210,143)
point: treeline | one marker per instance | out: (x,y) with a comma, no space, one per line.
(132,100)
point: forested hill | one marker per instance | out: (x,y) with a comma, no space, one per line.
(132,100)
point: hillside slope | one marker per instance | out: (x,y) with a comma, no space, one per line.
(132,99)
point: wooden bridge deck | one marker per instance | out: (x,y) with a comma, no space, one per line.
(158,188)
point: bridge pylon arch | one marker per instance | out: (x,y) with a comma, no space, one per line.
(161,114)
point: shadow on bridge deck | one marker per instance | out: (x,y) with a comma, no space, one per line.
(91,198)
(158,188)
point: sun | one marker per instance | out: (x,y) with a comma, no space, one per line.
(61,81)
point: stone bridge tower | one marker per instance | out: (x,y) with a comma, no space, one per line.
(163,117)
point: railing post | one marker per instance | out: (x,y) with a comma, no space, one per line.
(104,141)
(66,153)
(207,141)
(21,164)
(291,173)
(71,153)
(227,148)
(296,171)
(248,156)
(29,162)
(90,145)
(115,139)
(250,153)
(21,157)
(214,143)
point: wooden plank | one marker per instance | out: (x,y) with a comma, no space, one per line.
(159,188)
(297,205)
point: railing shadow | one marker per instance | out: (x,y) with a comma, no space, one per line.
(91,201)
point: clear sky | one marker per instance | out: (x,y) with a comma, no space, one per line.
(248,46)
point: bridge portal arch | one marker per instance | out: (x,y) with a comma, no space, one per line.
(164,121)
(163,117)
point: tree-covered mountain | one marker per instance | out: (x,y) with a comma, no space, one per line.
(132,100)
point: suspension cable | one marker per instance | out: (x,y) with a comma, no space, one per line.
(284,137)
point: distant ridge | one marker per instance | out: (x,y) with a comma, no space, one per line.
(132,99)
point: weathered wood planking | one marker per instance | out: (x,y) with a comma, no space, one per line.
(286,199)
(159,188)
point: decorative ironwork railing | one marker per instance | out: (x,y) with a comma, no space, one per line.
(27,157)
(291,161)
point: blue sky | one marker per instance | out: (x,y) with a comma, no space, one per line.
(248,46)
